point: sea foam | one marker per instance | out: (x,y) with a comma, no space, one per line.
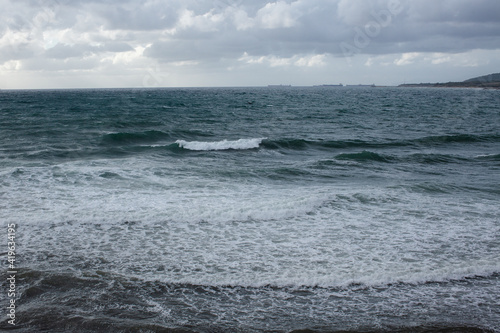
(240,144)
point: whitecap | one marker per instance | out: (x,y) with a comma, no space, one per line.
(240,144)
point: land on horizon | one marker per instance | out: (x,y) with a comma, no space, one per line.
(491,81)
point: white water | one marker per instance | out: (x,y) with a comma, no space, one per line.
(192,230)
(220,145)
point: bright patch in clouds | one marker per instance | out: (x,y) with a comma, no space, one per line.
(125,58)
(311,61)
(205,22)
(440,58)
(407,58)
(474,58)
(11,65)
(274,61)
(277,15)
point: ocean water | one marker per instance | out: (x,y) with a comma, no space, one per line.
(252,209)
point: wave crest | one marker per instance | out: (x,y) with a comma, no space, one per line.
(240,144)
(364,156)
(134,137)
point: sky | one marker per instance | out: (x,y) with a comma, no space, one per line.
(213,43)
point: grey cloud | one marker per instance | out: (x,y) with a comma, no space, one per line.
(19,51)
(430,26)
(433,26)
(314,26)
(45,64)
(63,51)
(137,15)
(116,47)
(459,11)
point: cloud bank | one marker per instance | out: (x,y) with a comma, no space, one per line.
(62,43)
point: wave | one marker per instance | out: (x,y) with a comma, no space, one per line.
(457,138)
(134,137)
(312,281)
(489,157)
(43,281)
(184,140)
(435,158)
(58,301)
(292,144)
(149,136)
(301,144)
(241,144)
(365,156)
(38,279)
(121,144)
(369,156)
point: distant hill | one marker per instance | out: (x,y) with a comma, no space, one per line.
(486,78)
(487,81)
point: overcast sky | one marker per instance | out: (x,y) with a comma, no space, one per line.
(179,43)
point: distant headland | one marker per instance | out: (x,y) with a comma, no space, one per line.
(491,81)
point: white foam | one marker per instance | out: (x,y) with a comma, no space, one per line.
(485,155)
(243,233)
(254,236)
(221,145)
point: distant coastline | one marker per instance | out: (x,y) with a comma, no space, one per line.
(491,81)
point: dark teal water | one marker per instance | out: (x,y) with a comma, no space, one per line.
(253,209)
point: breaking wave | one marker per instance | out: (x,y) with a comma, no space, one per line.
(240,144)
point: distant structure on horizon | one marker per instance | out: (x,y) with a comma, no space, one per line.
(361,85)
(329,85)
(279,85)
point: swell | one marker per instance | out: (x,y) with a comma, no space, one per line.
(429,141)
(121,144)
(488,157)
(365,156)
(457,138)
(184,138)
(129,138)
(134,137)
(39,282)
(99,301)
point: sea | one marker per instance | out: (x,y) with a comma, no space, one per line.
(266,209)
